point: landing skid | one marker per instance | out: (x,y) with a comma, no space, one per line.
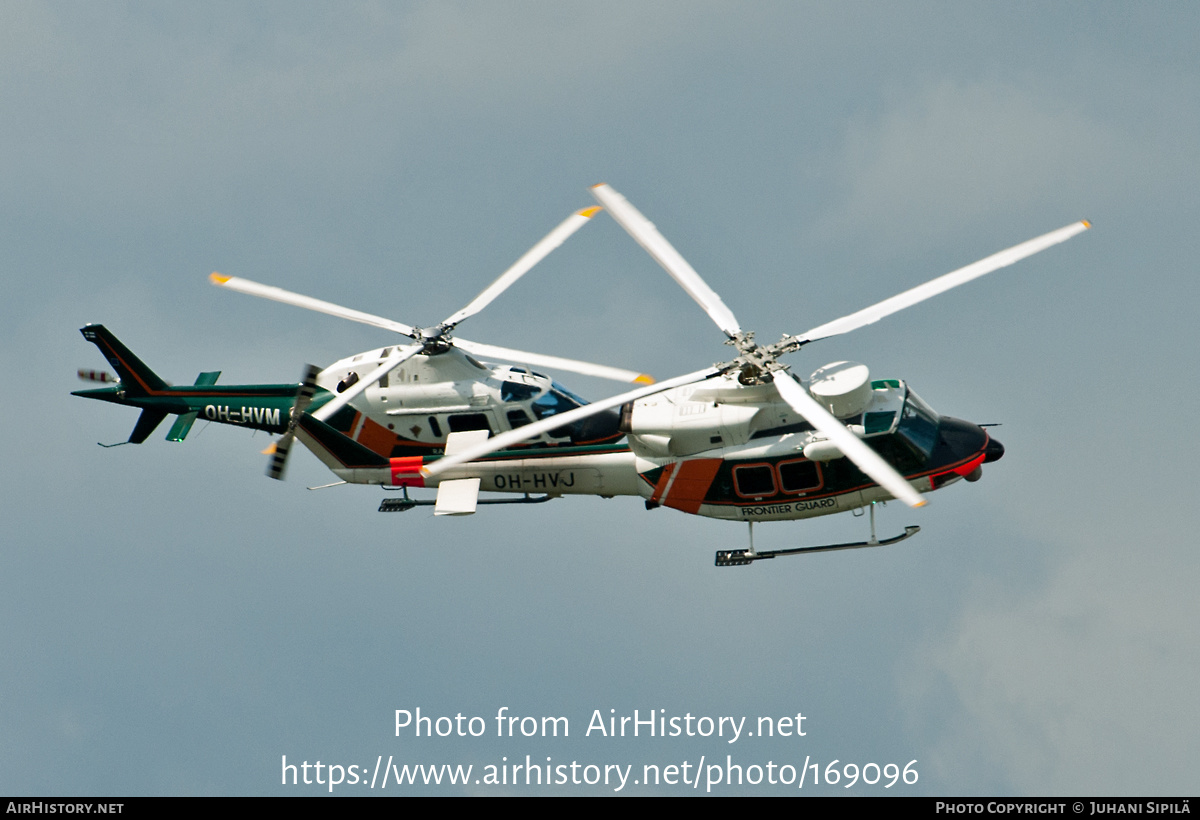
(405,504)
(738,558)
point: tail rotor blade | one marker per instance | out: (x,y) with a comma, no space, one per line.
(279,451)
(278,466)
(308,389)
(88,375)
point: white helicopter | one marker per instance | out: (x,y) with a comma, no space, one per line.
(740,440)
(400,401)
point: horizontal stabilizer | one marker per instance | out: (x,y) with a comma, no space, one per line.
(457,497)
(181,427)
(183,424)
(461,440)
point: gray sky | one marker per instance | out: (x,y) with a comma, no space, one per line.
(175,623)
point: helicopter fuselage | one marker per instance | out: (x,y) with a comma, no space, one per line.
(757,472)
(410,412)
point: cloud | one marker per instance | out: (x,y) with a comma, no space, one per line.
(1083,685)
(953,153)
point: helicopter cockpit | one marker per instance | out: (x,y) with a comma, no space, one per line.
(899,425)
(550,398)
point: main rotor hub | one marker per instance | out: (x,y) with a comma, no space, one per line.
(754,364)
(434,340)
(743,340)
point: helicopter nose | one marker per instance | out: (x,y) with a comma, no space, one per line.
(967,443)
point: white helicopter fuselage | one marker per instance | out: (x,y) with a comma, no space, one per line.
(412,409)
(724,450)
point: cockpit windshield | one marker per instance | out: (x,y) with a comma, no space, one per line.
(548,402)
(557,399)
(918,425)
(516,391)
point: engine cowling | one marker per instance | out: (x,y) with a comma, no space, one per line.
(842,388)
(680,427)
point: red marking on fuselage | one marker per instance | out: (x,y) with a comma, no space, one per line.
(969,467)
(406,471)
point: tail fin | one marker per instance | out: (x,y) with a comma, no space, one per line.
(136,378)
(147,421)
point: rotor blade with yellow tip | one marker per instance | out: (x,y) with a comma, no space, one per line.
(900,301)
(519,268)
(299,300)
(508,354)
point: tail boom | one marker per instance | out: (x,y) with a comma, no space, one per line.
(257,406)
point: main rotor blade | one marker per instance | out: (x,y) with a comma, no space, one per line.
(851,445)
(942,284)
(390,362)
(541,360)
(559,419)
(489,351)
(534,255)
(298,300)
(643,230)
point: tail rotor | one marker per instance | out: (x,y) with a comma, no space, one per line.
(280,449)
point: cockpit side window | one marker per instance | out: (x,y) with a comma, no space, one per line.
(918,426)
(460,422)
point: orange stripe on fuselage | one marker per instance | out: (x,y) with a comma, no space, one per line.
(184,391)
(132,371)
(664,478)
(691,484)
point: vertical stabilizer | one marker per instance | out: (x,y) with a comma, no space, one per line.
(136,378)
